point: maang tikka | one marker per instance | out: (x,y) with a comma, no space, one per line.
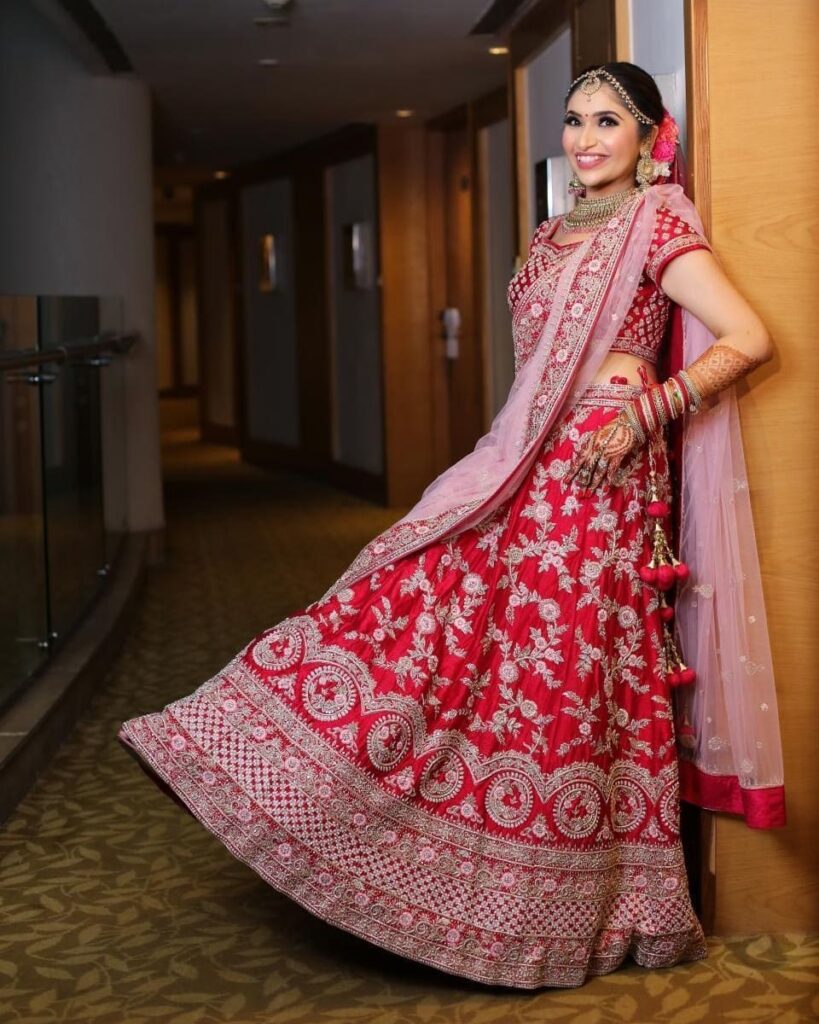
(592,80)
(654,162)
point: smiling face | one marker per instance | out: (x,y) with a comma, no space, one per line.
(601,139)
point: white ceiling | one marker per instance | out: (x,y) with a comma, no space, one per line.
(340,61)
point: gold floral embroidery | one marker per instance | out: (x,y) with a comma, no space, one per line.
(386,759)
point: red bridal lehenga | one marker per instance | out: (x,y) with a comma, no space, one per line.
(468,755)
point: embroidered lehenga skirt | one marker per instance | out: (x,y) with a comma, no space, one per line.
(468,757)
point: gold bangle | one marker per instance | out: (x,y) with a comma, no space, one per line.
(662,414)
(671,405)
(696,397)
(634,423)
(677,397)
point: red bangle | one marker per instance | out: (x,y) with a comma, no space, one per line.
(668,405)
(685,391)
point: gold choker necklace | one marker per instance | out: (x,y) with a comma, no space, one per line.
(589,213)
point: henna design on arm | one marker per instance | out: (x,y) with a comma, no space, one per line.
(719,367)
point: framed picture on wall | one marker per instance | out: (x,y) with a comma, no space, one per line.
(358,256)
(268,264)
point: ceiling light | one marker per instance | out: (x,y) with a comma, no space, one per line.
(268,20)
(499,51)
(277,5)
(404,113)
(221,175)
(269,62)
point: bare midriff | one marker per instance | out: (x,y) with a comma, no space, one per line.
(621,364)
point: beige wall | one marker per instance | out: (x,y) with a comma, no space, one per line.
(762,65)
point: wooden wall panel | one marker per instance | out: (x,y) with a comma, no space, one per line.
(405,312)
(465,372)
(523,161)
(436,256)
(763,78)
(622,29)
(312,313)
(593,33)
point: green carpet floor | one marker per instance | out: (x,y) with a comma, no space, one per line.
(117,907)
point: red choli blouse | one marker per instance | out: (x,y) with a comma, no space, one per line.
(530,290)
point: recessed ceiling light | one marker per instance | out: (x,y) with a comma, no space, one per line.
(404,113)
(269,62)
(499,51)
(221,175)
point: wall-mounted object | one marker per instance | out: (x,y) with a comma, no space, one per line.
(451,321)
(358,255)
(268,264)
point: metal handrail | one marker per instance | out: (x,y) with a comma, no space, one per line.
(108,341)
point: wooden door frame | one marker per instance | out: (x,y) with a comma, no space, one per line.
(697,110)
(703,822)
(486,111)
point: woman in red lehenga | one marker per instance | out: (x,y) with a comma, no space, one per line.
(470,750)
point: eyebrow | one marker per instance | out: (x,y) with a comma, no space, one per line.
(598,113)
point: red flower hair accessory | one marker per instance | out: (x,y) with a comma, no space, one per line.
(665,144)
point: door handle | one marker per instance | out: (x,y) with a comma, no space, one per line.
(451,322)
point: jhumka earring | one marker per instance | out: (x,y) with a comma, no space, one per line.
(576,186)
(646,171)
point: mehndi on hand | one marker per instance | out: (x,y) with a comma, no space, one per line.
(601,454)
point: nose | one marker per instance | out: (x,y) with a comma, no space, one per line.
(588,136)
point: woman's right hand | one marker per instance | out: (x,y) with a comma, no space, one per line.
(601,453)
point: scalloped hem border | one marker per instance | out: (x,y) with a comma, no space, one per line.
(640,948)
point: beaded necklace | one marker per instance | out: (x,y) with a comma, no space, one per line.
(592,212)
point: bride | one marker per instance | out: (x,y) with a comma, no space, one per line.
(471,750)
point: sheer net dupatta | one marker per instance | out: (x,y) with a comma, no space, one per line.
(592,296)
(732,760)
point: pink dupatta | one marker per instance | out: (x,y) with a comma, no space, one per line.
(733,761)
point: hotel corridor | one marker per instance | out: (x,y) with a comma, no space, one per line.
(118,908)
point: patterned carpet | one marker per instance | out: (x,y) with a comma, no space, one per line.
(118,908)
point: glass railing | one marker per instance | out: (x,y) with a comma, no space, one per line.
(62,470)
